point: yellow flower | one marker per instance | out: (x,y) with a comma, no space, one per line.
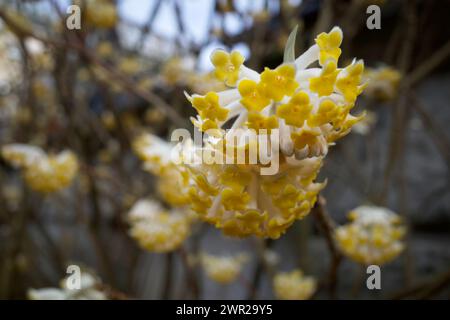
(101,13)
(327,112)
(297,110)
(382,83)
(234,200)
(208,107)
(157,230)
(223,269)
(235,179)
(279,82)
(250,204)
(253,98)
(204,124)
(238,195)
(329,44)
(348,82)
(154,151)
(323,85)
(256,121)
(305,137)
(173,179)
(372,237)
(294,285)
(227,65)
(172,185)
(42,172)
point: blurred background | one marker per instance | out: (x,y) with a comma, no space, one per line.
(93,90)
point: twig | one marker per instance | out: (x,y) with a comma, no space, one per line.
(167,285)
(113,73)
(327,225)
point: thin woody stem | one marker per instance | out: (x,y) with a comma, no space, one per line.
(113,73)
(327,226)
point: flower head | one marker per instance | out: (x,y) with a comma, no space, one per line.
(156,229)
(42,172)
(157,156)
(242,202)
(372,237)
(382,83)
(223,269)
(101,13)
(309,109)
(294,285)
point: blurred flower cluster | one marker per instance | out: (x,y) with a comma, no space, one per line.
(42,172)
(373,236)
(294,285)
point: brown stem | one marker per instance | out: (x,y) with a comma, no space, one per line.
(327,226)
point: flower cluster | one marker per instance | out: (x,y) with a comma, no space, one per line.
(383,83)
(42,172)
(90,289)
(294,285)
(157,229)
(172,179)
(101,13)
(310,108)
(372,237)
(223,269)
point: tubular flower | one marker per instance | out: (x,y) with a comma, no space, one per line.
(227,66)
(172,184)
(309,109)
(279,82)
(383,83)
(42,172)
(156,229)
(329,44)
(297,110)
(323,85)
(253,97)
(223,269)
(372,237)
(294,285)
(257,122)
(348,82)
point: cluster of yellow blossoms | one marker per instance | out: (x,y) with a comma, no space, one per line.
(383,83)
(42,172)
(223,269)
(101,13)
(372,237)
(172,179)
(294,285)
(157,229)
(310,108)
